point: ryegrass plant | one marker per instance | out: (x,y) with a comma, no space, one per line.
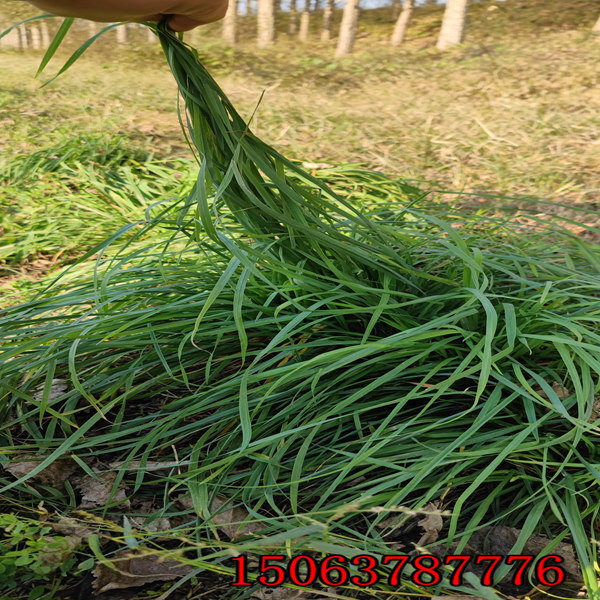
(72,195)
(321,359)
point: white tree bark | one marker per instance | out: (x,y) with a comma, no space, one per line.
(327,18)
(23,41)
(304,22)
(596,28)
(230,22)
(122,34)
(150,35)
(45,34)
(453,24)
(293,17)
(36,38)
(396,6)
(402,23)
(348,28)
(266,23)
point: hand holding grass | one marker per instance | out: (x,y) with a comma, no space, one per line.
(184,14)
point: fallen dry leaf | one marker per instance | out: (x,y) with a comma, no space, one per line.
(536,543)
(186,501)
(97,492)
(53,475)
(279,593)
(71,527)
(58,550)
(561,391)
(392,523)
(456,598)
(500,540)
(134,570)
(595,410)
(155,467)
(230,521)
(57,388)
(160,524)
(432,523)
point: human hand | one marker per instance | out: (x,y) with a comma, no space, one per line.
(184,14)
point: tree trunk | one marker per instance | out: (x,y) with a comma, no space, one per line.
(24,43)
(248,8)
(453,24)
(304,22)
(229,23)
(266,23)
(402,23)
(348,28)
(596,28)
(396,6)
(293,17)
(36,38)
(327,17)
(122,34)
(45,34)
(150,35)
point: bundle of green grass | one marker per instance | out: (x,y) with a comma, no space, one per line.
(318,361)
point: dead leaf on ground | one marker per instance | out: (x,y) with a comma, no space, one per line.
(159,468)
(279,593)
(155,526)
(456,598)
(58,550)
(230,521)
(392,523)
(500,540)
(71,527)
(186,501)
(134,570)
(432,523)
(53,475)
(97,492)
(561,391)
(595,410)
(58,387)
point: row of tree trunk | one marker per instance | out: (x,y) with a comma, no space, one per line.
(34,37)
(38,36)
(452,31)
